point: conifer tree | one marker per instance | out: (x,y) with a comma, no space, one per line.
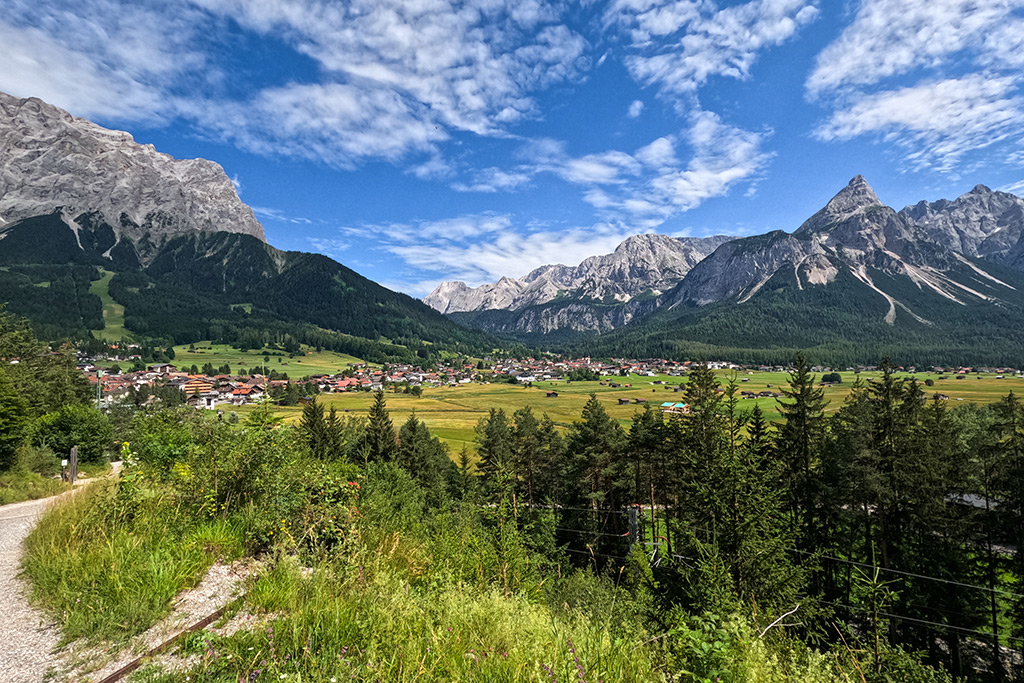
(527,448)
(593,447)
(13,421)
(799,443)
(314,429)
(379,438)
(497,458)
(424,457)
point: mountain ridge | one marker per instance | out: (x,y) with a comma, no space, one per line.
(944,269)
(55,161)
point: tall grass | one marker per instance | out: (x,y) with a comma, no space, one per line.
(105,573)
(32,477)
(369,624)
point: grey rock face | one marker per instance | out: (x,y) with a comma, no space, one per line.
(856,197)
(52,160)
(926,245)
(641,264)
(981,223)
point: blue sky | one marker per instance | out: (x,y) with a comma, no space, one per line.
(418,141)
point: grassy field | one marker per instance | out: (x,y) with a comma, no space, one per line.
(113,312)
(452,412)
(312,363)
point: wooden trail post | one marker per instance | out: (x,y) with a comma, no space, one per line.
(73,466)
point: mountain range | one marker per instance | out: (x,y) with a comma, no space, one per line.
(933,276)
(101,235)
(89,217)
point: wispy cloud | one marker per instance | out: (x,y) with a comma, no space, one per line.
(891,37)
(395,80)
(498,247)
(935,123)
(670,175)
(679,44)
(937,79)
(494,180)
(333,247)
(636,107)
(458,66)
(1016,188)
(267,213)
(102,58)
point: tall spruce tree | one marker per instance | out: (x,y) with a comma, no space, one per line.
(424,457)
(13,421)
(593,447)
(379,440)
(801,433)
(497,458)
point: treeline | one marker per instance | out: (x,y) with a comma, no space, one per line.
(44,407)
(55,298)
(841,325)
(173,312)
(894,522)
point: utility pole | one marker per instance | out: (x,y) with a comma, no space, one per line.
(99,388)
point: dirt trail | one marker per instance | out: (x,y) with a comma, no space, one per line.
(27,636)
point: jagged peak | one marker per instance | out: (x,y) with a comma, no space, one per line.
(852,199)
(857,194)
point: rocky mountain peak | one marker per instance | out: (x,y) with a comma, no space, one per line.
(53,161)
(857,196)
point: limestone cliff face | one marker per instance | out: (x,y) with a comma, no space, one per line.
(982,223)
(53,161)
(928,247)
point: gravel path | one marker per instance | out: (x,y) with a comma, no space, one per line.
(26,637)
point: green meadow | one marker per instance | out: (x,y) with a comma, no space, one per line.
(451,413)
(312,363)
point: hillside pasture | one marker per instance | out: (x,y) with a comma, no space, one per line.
(113,312)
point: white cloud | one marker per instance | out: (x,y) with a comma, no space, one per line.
(395,77)
(494,180)
(935,123)
(652,184)
(473,66)
(636,107)
(97,59)
(340,125)
(936,79)
(892,37)
(1016,188)
(267,213)
(514,252)
(334,248)
(704,41)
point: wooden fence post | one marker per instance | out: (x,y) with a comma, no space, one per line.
(73,466)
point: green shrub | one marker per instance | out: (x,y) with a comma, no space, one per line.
(75,425)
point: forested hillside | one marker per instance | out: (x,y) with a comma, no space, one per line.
(223,286)
(841,325)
